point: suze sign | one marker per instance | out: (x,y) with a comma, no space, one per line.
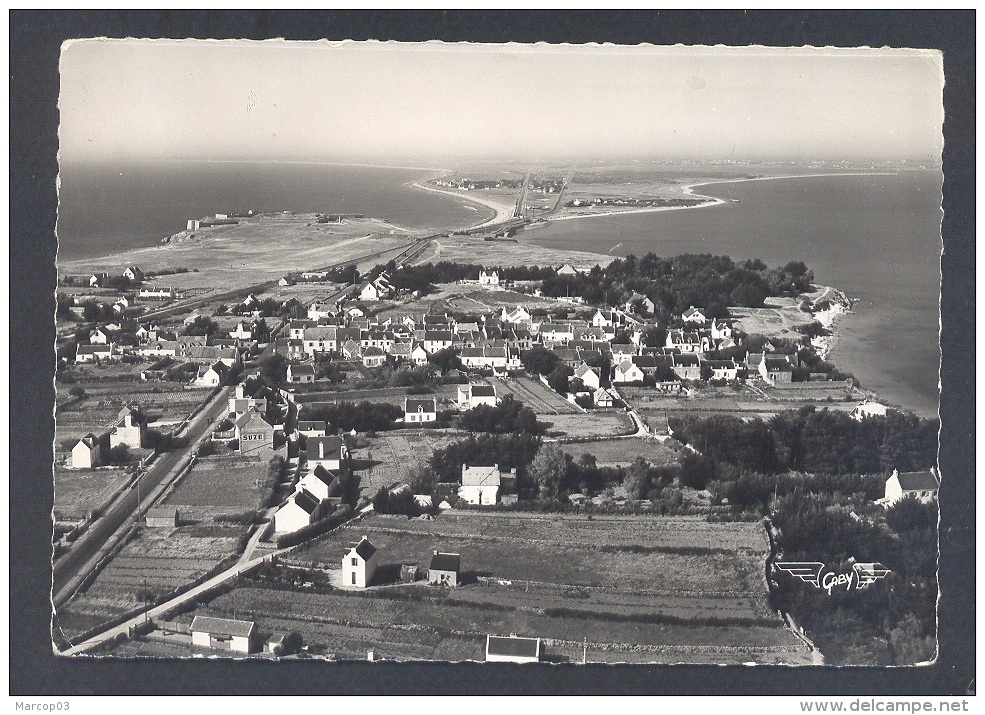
(818,575)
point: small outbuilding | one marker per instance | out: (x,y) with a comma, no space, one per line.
(86,452)
(162,517)
(224,634)
(512,649)
(444,569)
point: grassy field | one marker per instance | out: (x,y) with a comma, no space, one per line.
(222,484)
(384,459)
(156,560)
(78,491)
(536,395)
(593,424)
(633,589)
(622,451)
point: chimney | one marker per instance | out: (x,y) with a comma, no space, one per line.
(365,537)
(435,552)
(321,449)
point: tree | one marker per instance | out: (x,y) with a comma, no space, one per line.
(539,361)
(549,469)
(120,454)
(558,379)
(202,325)
(78,392)
(446,360)
(420,478)
(292,643)
(273,368)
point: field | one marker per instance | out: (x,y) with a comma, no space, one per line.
(221,485)
(79,491)
(536,395)
(446,395)
(622,451)
(164,403)
(384,459)
(627,589)
(157,561)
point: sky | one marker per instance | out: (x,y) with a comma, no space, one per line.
(307,101)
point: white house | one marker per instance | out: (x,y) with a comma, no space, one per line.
(418,355)
(519,315)
(494,357)
(242,331)
(567,270)
(481,485)
(211,375)
(694,315)
(130,429)
(686,342)
(359,564)
(420,410)
(317,482)
(435,340)
(512,649)
(721,369)
(605,318)
(100,336)
(312,428)
(297,374)
(588,376)
(373,357)
(488,279)
(473,395)
(627,371)
(93,353)
(377,289)
(603,398)
(329,452)
(224,634)
(302,509)
(85,453)
(923,485)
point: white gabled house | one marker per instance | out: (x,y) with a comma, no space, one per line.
(694,315)
(93,353)
(420,410)
(327,452)
(301,510)
(482,485)
(588,376)
(922,485)
(86,453)
(627,372)
(359,564)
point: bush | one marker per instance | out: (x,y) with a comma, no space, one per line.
(78,392)
(339,516)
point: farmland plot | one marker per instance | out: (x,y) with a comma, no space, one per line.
(223,483)
(593,424)
(536,395)
(79,491)
(385,458)
(622,451)
(156,561)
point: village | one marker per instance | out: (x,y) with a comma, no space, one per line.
(337,400)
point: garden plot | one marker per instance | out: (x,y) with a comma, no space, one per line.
(622,451)
(592,424)
(385,459)
(79,491)
(222,484)
(535,395)
(153,563)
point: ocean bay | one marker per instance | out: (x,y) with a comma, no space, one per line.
(876,237)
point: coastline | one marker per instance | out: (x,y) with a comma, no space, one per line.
(708,202)
(502,212)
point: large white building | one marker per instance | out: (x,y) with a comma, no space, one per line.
(359,564)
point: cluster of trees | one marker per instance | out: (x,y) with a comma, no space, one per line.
(893,621)
(508,416)
(202,325)
(422,277)
(674,284)
(816,441)
(362,416)
(507,450)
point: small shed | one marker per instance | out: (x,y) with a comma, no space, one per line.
(162,517)
(274,642)
(408,573)
(512,649)
(444,569)
(223,634)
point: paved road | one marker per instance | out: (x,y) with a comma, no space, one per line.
(70,569)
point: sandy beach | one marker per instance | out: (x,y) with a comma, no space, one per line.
(503,211)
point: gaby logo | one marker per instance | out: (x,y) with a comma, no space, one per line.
(815,573)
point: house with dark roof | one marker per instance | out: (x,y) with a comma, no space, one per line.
(134,274)
(359,564)
(694,315)
(302,509)
(329,452)
(420,410)
(312,428)
(475,394)
(482,485)
(444,569)
(93,353)
(512,649)
(317,482)
(373,357)
(922,485)
(86,452)
(224,634)
(130,428)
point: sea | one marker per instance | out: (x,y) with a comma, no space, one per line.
(875,237)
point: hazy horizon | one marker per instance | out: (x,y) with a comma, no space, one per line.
(436,103)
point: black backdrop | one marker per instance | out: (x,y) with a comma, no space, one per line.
(35,38)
